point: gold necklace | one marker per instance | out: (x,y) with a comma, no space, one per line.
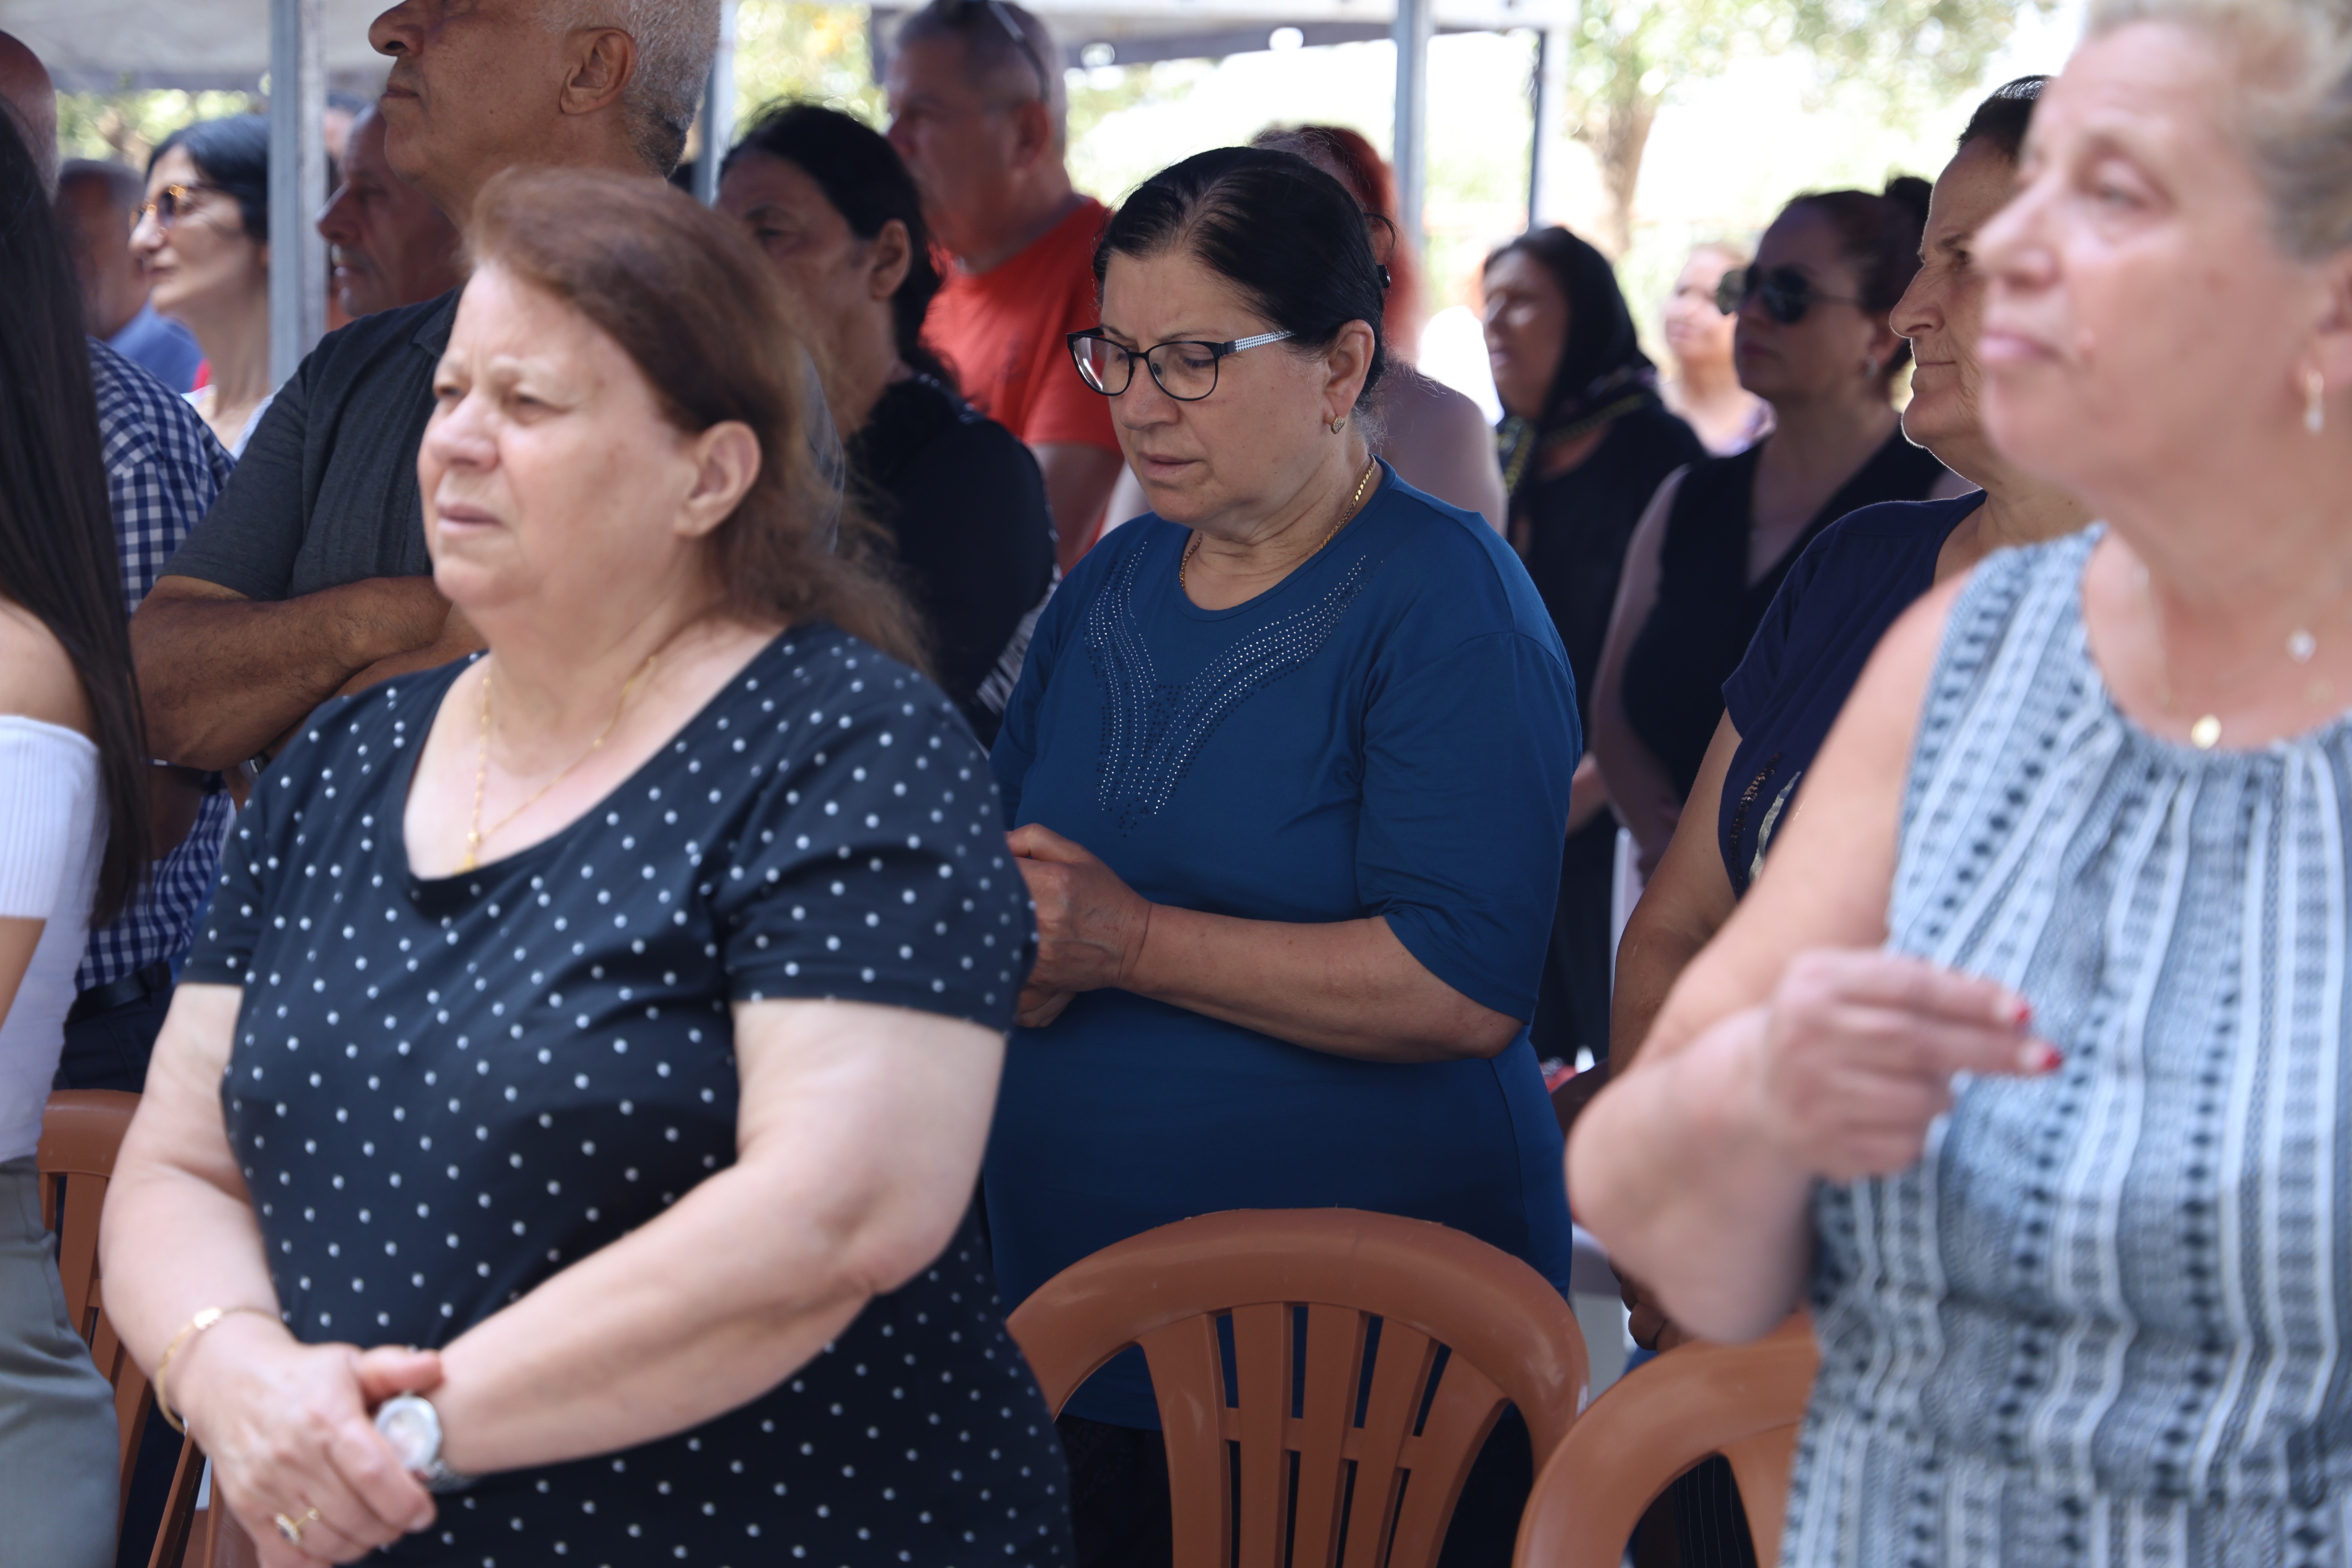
(474,833)
(2205,735)
(1354,506)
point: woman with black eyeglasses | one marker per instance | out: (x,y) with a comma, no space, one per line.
(1813,341)
(1287,771)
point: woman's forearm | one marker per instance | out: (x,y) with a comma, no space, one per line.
(1588,795)
(704,1310)
(1671,1168)
(1350,988)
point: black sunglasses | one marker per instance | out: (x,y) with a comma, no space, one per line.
(1786,293)
(965,13)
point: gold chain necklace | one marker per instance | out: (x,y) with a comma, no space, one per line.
(474,833)
(2205,735)
(1354,506)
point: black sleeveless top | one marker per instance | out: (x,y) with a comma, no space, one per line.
(1707,610)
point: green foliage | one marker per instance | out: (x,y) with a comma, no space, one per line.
(124,125)
(795,49)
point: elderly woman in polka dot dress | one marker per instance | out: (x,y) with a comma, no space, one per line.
(617,1016)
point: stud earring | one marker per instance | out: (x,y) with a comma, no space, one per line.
(2314,401)
(1336,423)
(1870,366)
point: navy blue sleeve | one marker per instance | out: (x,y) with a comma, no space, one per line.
(1760,670)
(1467,759)
(874,870)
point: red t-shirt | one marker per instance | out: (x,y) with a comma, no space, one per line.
(1001,331)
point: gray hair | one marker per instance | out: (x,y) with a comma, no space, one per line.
(677,40)
(986,29)
(2293,106)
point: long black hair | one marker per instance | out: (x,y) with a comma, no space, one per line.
(233,153)
(57,555)
(1603,371)
(1280,230)
(861,174)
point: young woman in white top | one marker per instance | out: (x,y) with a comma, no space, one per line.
(73,836)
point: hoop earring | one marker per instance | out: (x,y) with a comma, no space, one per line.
(1338,422)
(2314,401)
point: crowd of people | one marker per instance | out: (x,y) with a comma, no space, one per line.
(664,829)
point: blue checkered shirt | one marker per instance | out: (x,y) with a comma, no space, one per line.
(163,471)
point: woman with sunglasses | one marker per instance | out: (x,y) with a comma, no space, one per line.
(1287,771)
(203,240)
(1813,341)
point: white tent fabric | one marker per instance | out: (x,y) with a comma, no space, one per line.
(180,43)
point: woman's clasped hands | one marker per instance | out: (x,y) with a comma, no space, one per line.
(294,1451)
(1090,925)
(1856,1054)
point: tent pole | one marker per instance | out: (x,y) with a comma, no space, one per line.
(298,185)
(1409,150)
(717,110)
(1538,88)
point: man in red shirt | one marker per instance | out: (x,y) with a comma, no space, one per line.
(978,111)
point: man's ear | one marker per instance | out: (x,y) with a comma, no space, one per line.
(2332,341)
(598,63)
(1033,133)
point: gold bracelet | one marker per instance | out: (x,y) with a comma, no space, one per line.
(194,1326)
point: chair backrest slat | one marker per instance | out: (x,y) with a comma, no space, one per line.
(1460,1418)
(1262,1366)
(1335,1357)
(1188,1377)
(1290,1432)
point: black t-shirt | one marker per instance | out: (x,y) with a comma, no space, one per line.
(445,1090)
(966,506)
(1580,522)
(1707,610)
(326,492)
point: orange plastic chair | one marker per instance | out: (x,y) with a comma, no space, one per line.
(1743,1402)
(1374,1493)
(82,1132)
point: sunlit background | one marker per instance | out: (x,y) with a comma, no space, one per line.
(1745,115)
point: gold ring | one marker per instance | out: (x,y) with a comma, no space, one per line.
(291,1529)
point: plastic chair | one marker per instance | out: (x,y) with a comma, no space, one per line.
(1743,1402)
(1348,1465)
(82,1132)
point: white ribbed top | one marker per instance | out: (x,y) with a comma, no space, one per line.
(51,836)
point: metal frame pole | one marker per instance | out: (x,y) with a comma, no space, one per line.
(1538,144)
(1409,149)
(298,185)
(717,110)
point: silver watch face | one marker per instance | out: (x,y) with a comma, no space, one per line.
(412,1427)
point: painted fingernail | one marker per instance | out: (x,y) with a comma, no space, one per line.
(2020,1011)
(2037,1057)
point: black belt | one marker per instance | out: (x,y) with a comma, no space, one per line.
(120,993)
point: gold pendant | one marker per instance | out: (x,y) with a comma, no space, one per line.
(2206,733)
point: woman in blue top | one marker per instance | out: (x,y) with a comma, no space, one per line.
(1289,773)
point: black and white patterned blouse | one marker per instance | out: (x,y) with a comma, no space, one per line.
(445,1090)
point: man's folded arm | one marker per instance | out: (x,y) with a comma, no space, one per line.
(224,677)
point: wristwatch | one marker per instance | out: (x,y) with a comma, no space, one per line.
(412,1427)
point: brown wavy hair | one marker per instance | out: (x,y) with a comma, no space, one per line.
(700,310)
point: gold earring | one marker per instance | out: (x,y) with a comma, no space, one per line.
(2314,401)
(1336,423)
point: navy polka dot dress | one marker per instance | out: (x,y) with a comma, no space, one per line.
(443,1091)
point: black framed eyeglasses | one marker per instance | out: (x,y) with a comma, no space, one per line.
(1785,292)
(1186,371)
